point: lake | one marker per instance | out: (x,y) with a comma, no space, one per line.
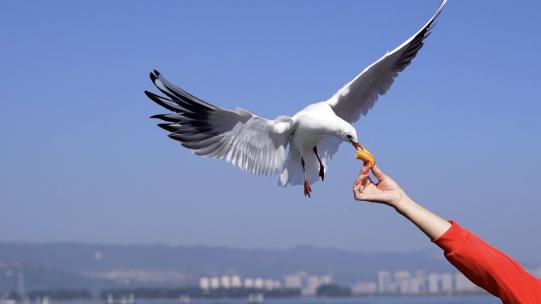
(480,299)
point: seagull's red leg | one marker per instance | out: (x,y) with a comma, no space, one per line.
(321,168)
(307,188)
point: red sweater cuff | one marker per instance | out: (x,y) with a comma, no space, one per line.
(453,238)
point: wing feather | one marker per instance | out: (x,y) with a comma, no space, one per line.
(243,139)
(359,96)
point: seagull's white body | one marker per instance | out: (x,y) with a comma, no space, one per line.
(259,145)
(312,124)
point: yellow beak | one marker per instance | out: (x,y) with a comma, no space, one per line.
(365,155)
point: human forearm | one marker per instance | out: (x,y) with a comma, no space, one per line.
(388,192)
(431,224)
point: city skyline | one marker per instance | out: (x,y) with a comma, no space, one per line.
(95,267)
(419,282)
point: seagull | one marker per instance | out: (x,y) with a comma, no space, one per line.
(298,148)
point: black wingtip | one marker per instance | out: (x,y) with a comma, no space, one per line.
(168,127)
(149,94)
(154,75)
(168,104)
(173,118)
(158,116)
(176,136)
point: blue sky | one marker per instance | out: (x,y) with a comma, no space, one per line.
(82,161)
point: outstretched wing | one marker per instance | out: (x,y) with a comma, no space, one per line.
(360,95)
(245,140)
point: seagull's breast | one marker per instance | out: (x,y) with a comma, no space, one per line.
(305,138)
(313,123)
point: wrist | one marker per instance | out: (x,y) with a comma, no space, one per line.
(403,203)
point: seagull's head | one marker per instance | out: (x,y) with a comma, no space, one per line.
(347,133)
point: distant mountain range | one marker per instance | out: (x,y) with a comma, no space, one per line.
(94,266)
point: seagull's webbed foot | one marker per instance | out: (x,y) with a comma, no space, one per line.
(307,188)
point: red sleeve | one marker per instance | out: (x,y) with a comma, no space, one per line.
(488,267)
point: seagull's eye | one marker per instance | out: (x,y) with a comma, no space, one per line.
(350,137)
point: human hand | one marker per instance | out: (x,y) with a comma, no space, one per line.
(386,191)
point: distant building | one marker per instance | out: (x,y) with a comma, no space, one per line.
(402,281)
(225,281)
(313,282)
(364,288)
(294,280)
(434,283)
(463,284)
(204,283)
(384,282)
(248,283)
(214,282)
(236,281)
(421,282)
(447,283)
(259,283)
(268,284)
(418,284)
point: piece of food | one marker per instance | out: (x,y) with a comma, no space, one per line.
(365,155)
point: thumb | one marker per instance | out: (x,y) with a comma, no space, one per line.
(378,173)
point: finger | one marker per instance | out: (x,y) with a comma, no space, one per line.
(361,179)
(366,167)
(378,173)
(365,197)
(358,178)
(357,188)
(357,193)
(360,188)
(367,182)
(362,170)
(365,171)
(361,196)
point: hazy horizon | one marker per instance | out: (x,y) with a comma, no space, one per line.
(81,160)
(209,246)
